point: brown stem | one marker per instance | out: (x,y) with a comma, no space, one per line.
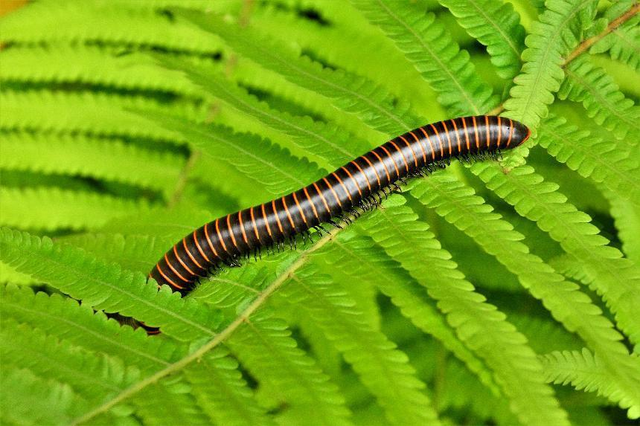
(613,25)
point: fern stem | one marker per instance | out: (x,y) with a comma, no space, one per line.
(183,178)
(613,25)
(217,340)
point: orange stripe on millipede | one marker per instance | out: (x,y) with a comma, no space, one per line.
(286,210)
(486,123)
(433,151)
(175,271)
(255,227)
(313,207)
(510,132)
(206,233)
(264,215)
(192,257)
(499,133)
(233,238)
(439,140)
(415,158)
(353,179)
(466,134)
(169,280)
(275,213)
(386,170)
(424,153)
(343,185)
(475,132)
(195,240)
(406,163)
(304,218)
(446,130)
(224,246)
(374,170)
(455,126)
(333,192)
(355,163)
(324,200)
(244,234)
(184,265)
(395,166)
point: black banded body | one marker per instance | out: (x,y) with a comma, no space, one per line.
(228,238)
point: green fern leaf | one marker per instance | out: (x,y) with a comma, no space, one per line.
(151,404)
(223,394)
(111,24)
(583,370)
(434,54)
(627,218)
(91,375)
(477,323)
(358,259)
(613,277)
(105,286)
(8,274)
(27,399)
(563,299)
(91,157)
(94,114)
(623,43)
(382,368)
(348,92)
(90,66)
(497,26)
(602,161)
(265,347)
(557,31)
(319,142)
(600,96)
(81,326)
(51,209)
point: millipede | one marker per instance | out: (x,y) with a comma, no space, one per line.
(343,194)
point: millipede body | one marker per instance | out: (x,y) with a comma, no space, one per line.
(357,184)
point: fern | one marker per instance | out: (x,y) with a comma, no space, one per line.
(583,370)
(496,26)
(125,125)
(601,98)
(552,37)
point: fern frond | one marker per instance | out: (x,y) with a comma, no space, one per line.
(602,161)
(601,98)
(105,286)
(264,346)
(27,399)
(627,219)
(73,23)
(497,26)
(562,298)
(91,375)
(79,325)
(583,370)
(275,168)
(433,53)
(53,208)
(319,142)
(90,66)
(557,31)
(94,114)
(382,368)
(614,278)
(477,323)
(90,157)
(222,393)
(152,407)
(350,93)
(623,43)
(357,258)
(8,274)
